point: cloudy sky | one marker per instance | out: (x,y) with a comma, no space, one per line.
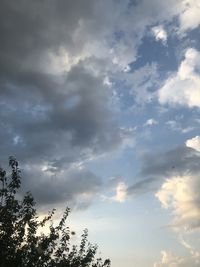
(100,103)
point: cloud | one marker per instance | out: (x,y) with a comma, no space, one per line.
(176,125)
(58,123)
(116,190)
(195,255)
(189,18)
(179,192)
(150,122)
(75,186)
(194,143)
(121,194)
(160,34)
(143,186)
(128,136)
(48,91)
(175,161)
(181,195)
(73,115)
(168,259)
(141,81)
(55,107)
(182,88)
(157,167)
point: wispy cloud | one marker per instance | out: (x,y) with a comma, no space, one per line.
(169,259)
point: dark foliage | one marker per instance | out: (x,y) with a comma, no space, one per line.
(20,243)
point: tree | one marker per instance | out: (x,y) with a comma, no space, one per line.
(20,243)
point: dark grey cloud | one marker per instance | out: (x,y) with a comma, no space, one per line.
(47,121)
(158,166)
(46,117)
(177,160)
(38,108)
(75,187)
(29,29)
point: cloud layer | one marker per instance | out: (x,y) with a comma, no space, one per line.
(58,61)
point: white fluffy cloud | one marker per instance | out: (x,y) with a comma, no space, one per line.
(190,16)
(116,190)
(151,122)
(194,143)
(181,195)
(160,34)
(183,87)
(121,193)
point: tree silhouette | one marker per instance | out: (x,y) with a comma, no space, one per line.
(20,243)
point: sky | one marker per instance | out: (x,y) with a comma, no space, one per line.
(100,103)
